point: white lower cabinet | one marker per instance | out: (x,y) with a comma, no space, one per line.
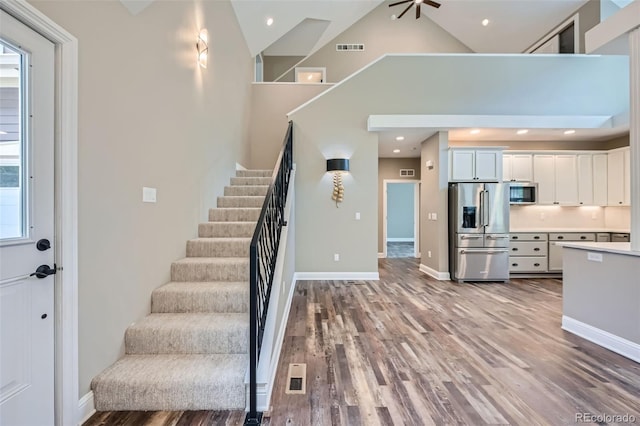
(528,253)
(555,251)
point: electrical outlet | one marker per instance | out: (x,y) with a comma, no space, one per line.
(594,215)
(429,253)
(357,215)
(336,257)
(541,216)
(148,195)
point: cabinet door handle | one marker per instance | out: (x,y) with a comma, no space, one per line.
(514,249)
(561,237)
(536,249)
(514,264)
(536,264)
(515,237)
(537,237)
(583,237)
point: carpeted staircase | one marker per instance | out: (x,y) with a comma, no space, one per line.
(191,352)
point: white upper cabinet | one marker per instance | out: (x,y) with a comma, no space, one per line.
(475,165)
(600,179)
(619,177)
(566,168)
(517,167)
(585,179)
(544,174)
(557,178)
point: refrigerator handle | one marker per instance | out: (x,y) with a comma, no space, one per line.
(481,210)
(486,204)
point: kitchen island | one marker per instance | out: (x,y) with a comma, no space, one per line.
(601,295)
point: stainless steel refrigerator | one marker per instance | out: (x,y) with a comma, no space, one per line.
(479,231)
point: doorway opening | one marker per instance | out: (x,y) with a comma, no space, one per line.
(401,218)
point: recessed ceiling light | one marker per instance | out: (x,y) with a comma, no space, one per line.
(522,131)
(399,138)
(395,151)
(475,131)
(485,22)
(269,22)
(569,132)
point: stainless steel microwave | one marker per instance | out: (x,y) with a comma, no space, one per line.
(523,193)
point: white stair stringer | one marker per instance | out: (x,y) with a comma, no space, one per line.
(191,352)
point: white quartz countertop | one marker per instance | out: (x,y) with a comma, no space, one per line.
(617,248)
(594,230)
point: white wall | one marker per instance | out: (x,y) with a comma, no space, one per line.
(148,116)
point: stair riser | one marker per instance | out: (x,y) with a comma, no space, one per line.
(218,248)
(254,173)
(210,272)
(222,229)
(234,215)
(222,300)
(238,191)
(255,202)
(236,181)
(179,341)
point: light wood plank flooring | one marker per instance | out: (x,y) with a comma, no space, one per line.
(411,350)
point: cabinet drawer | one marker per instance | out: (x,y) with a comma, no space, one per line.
(528,248)
(529,237)
(573,236)
(527,264)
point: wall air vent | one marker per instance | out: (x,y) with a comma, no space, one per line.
(349,47)
(407,172)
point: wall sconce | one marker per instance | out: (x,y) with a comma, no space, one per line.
(337,166)
(202,47)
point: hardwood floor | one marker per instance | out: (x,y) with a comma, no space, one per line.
(412,350)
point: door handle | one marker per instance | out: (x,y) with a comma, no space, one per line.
(44,271)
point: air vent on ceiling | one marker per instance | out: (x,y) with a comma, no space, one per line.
(407,172)
(349,47)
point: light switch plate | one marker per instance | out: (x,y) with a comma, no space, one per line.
(148,195)
(357,215)
(434,216)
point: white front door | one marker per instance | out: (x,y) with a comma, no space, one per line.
(26,225)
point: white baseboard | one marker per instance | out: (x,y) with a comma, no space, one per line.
(400,240)
(381,256)
(603,338)
(240,167)
(86,408)
(343,276)
(442,276)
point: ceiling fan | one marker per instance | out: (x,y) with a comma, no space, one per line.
(417,3)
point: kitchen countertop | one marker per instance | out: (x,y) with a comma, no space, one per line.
(617,248)
(594,230)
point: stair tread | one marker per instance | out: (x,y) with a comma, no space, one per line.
(192,320)
(213,260)
(172,382)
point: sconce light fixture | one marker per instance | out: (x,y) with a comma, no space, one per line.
(202,47)
(337,166)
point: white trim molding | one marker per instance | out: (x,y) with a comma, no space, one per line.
(66,215)
(381,256)
(603,338)
(337,276)
(441,276)
(86,407)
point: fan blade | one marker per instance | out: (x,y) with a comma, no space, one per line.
(405,11)
(418,11)
(400,2)
(432,3)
